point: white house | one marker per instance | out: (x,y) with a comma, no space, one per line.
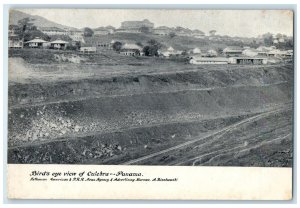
(196,51)
(250,52)
(208,60)
(59,44)
(212,53)
(15,42)
(53,31)
(169,52)
(130,49)
(36,43)
(233,51)
(88,49)
(248,60)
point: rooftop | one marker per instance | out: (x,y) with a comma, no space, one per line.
(131,46)
(51,29)
(59,42)
(199,58)
(37,40)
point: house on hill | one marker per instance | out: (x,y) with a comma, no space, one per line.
(180,31)
(212,53)
(196,51)
(167,52)
(15,42)
(263,50)
(76,35)
(162,30)
(88,48)
(135,26)
(130,49)
(250,52)
(53,31)
(248,60)
(104,30)
(111,29)
(198,59)
(13,30)
(198,34)
(36,43)
(100,42)
(233,51)
(101,31)
(59,44)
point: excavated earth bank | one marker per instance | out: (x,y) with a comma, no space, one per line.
(119,118)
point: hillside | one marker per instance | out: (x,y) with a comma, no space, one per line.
(162,114)
(15,16)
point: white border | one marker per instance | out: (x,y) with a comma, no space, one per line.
(117,3)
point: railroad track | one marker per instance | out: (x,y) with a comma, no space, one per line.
(229,151)
(217,134)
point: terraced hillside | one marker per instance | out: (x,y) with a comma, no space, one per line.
(160,114)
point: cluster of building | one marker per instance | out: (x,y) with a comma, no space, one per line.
(102,41)
(243,55)
(126,27)
(40,43)
(147,26)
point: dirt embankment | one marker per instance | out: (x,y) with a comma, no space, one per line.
(109,113)
(92,120)
(234,76)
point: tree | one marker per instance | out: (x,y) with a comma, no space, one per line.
(88,32)
(117,46)
(278,35)
(172,34)
(25,24)
(139,44)
(212,32)
(152,48)
(184,53)
(268,39)
(179,28)
(31,34)
(29,31)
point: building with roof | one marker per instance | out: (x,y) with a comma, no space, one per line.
(76,35)
(170,51)
(198,59)
(196,51)
(162,30)
(101,43)
(130,49)
(53,31)
(36,43)
(104,30)
(185,32)
(232,51)
(15,42)
(198,34)
(211,53)
(135,26)
(101,31)
(88,49)
(248,60)
(13,30)
(59,44)
(250,52)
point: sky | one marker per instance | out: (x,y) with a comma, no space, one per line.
(242,23)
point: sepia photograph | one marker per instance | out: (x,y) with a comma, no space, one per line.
(154,87)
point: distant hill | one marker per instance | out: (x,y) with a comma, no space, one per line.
(15,16)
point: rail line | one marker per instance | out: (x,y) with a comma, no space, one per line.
(218,135)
